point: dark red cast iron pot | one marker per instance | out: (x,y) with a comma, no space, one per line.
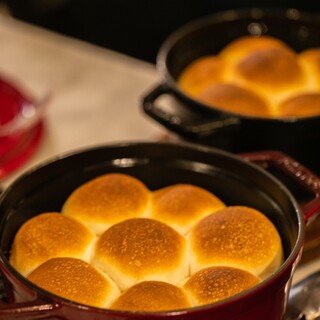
(197,122)
(235,180)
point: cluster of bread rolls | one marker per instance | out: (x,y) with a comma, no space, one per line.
(258,76)
(118,245)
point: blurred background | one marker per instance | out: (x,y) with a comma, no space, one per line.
(133,27)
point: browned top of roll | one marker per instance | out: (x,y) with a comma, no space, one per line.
(213,284)
(234,98)
(46,236)
(108,199)
(182,205)
(152,296)
(255,75)
(237,236)
(303,105)
(141,248)
(75,280)
(310,60)
(274,69)
(200,73)
(240,47)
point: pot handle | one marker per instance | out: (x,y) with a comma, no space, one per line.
(28,311)
(295,170)
(31,310)
(184,119)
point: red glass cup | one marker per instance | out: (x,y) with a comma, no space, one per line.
(21,127)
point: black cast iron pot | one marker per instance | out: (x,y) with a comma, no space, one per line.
(194,121)
(236,181)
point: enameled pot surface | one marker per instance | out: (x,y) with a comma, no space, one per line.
(197,122)
(234,180)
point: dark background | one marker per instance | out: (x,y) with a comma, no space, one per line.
(134,27)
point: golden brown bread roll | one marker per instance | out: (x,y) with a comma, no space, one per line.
(182,205)
(310,61)
(75,280)
(303,105)
(240,47)
(47,236)
(239,237)
(255,75)
(274,71)
(142,249)
(202,72)
(152,296)
(233,98)
(213,284)
(108,199)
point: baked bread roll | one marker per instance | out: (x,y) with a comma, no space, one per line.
(241,47)
(152,296)
(142,249)
(182,205)
(303,105)
(47,236)
(310,61)
(234,98)
(255,75)
(75,280)
(275,72)
(108,199)
(202,73)
(213,284)
(239,237)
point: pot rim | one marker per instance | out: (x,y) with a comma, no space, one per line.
(216,18)
(291,260)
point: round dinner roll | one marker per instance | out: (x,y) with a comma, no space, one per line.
(152,296)
(302,105)
(213,284)
(108,199)
(310,61)
(50,235)
(182,205)
(240,47)
(272,72)
(75,280)
(239,237)
(202,73)
(234,98)
(142,249)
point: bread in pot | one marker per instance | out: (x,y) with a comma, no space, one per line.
(182,205)
(108,199)
(241,47)
(213,284)
(301,105)
(188,248)
(47,236)
(256,75)
(202,73)
(231,97)
(239,237)
(152,296)
(142,249)
(310,61)
(75,280)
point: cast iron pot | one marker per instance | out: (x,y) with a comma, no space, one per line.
(233,179)
(197,122)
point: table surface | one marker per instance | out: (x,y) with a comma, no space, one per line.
(95,93)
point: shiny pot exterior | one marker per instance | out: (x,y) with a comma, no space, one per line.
(234,180)
(194,121)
